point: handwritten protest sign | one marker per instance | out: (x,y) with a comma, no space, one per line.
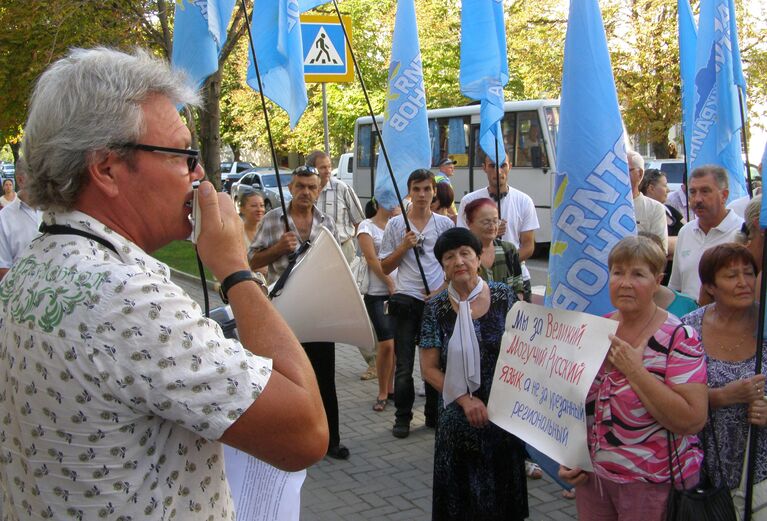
(548,359)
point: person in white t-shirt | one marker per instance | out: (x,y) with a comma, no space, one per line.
(370,234)
(406,305)
(518,218)
(714,224)
(19,223)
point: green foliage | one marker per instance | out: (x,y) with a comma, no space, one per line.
(35,34)
(182,256)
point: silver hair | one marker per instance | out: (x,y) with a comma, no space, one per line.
(751,218)
(717,172)
(85,105)
(635,160)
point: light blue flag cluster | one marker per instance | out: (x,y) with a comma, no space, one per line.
(199,34)
(688,39)
(405,127)
(276,30)
(593,207)
(716,137)
(484,68)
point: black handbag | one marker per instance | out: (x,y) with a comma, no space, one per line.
(401,305)
(703,502)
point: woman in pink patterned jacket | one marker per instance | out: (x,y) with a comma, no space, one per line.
(653,382)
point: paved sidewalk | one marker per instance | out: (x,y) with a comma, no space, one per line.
(385,478)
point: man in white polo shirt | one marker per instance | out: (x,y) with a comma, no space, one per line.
(650,214)
(518,218)
(714,224)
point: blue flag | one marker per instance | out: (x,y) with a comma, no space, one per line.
(716,120)
(688,38)
(199,33)
(593,206)
(484,69)
(405,128)
(276,31)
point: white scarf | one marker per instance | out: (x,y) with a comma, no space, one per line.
(463,367)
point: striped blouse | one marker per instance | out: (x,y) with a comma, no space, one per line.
(626,443)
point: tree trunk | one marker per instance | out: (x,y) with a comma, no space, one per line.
(210,135)
(15,151)
(660,149)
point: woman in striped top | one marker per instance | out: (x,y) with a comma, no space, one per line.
(652,382)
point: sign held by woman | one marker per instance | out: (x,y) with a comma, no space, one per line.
(548,359)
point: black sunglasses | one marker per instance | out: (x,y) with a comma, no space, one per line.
(192,155)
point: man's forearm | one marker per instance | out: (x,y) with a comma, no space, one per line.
(265,257)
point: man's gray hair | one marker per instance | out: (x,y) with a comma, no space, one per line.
(717,172)
(635,160)
(311,159)
(85,105)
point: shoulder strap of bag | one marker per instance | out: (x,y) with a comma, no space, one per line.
(669,435)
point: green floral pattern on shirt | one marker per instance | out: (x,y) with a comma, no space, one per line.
(113,386)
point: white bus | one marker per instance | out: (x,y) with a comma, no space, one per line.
(453,129)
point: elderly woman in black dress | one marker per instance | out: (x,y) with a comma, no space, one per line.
(479,469)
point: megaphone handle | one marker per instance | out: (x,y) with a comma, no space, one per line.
(292,259)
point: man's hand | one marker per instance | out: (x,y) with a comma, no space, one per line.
(288,243)
(220,243)
(409,240)
(502,225)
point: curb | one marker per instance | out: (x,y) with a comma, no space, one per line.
(193,279)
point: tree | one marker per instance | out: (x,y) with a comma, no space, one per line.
(35,34)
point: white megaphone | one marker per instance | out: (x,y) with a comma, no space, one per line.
(321,301)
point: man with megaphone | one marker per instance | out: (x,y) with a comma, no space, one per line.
(278,249)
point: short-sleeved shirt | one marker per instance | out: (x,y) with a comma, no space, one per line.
(113,385)
(517,209)
(690,245)
(19,224)
(377,286)
(273,227)
(651,218)
(408,277)
(626,443)
(339,202)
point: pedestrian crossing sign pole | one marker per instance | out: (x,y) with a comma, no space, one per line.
(327,57)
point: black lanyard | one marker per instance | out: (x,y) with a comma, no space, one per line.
(58,229)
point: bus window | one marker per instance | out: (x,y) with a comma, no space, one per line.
(364,139)
(530,152)
(552,121)
(449,138)
(507,128)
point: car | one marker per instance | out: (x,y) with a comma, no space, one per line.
(231,172)
(263,181)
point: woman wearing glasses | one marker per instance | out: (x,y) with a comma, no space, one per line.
(499,260)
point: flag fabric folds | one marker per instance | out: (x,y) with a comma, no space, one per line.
(688,38)
(276,30)
(484,68)
(593,207)
(199,33)
(405,127)
(716,137)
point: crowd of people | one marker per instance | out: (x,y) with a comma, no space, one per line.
(115,389)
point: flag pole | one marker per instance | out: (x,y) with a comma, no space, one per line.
(380,140)
(741,96)
(753,432)
(685,179)
(266,117)
(498,178)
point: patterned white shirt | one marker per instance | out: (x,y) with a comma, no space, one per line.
(340,203)
(113,386)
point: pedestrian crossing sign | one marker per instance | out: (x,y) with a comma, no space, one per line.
(327,58)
